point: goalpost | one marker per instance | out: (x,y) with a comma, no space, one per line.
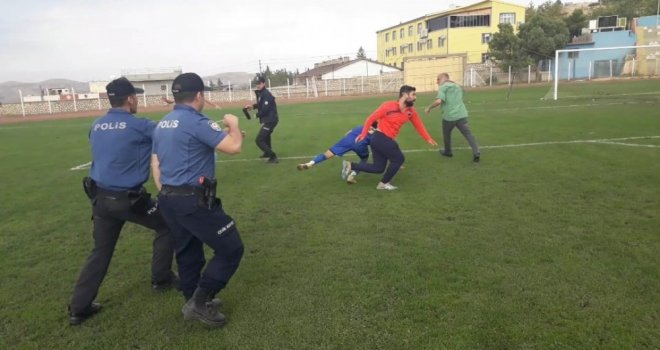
(607,62)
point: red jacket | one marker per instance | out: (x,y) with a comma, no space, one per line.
(391,118)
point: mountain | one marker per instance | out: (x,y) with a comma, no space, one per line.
(9,89)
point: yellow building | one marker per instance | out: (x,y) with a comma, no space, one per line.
(463,31)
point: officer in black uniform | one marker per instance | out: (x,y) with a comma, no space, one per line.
(184,170)
(121,153)
(267,114)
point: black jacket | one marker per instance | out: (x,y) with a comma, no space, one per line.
(265,106)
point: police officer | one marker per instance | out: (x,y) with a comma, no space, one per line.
(184,169)
(121,151)
(267,114)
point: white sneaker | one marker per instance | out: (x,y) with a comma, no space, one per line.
(387,186)
(304,166)
(351,178)
(345,169)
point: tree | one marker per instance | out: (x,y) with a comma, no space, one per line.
(575,22)
(219,83)
(507,49)
(361,54)
(549,8)
(542,35)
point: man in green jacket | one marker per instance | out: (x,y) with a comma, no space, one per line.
(454,114)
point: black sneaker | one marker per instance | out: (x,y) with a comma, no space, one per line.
(273,161)
(163,286)
(80,317)
(448,155)
(476,158)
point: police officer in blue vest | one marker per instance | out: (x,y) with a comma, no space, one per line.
(268,117)
(121,154)
(184,169)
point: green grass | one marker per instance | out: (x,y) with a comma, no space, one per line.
(552,246)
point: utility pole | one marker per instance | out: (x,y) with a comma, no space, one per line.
(259,66)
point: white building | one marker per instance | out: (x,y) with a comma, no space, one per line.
(343,68)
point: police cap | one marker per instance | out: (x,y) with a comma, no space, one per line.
(121,87)
(188,82)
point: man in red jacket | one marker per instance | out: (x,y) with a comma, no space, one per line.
(391,116)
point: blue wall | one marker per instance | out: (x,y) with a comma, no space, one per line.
(648,21)
(600,59)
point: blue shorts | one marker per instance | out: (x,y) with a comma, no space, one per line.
(344,146)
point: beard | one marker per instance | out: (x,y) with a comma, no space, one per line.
(410,103)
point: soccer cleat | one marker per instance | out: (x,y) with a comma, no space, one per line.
(387,187)
(273,160)
(304,166)
(76,319)
(476,158)
(351,178)
(345,169)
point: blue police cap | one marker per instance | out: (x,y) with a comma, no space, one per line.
(188,82)
(121,87)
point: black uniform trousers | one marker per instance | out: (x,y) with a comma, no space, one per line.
(192,224)
(263,139)
(110,211)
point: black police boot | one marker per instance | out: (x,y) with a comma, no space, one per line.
(202,307)
(80,317)
(162,286)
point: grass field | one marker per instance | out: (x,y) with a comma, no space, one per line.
(551,242)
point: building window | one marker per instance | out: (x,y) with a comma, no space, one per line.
(402,48)
(394,51)
(387,37)
(394,35)
(441,41)
(419,27)
(163,88)
(410,30)
(573,55)
(402,32)
(429,44)
(410,47)
(485,58)
(508,17)
(420,46)
(469,21)
(485,38)
(437,23)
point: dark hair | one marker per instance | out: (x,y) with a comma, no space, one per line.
(406,89)
(374,124)
(185,97)
(117,101)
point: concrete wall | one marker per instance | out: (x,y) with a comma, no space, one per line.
(421,72)
(360,69)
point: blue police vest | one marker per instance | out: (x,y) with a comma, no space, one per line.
(121,150)
(185,142)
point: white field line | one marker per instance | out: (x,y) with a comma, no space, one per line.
(627,144)
(530,144)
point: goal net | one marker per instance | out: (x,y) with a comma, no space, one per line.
(588,73)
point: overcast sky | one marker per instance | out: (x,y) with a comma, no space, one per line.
(96,39)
